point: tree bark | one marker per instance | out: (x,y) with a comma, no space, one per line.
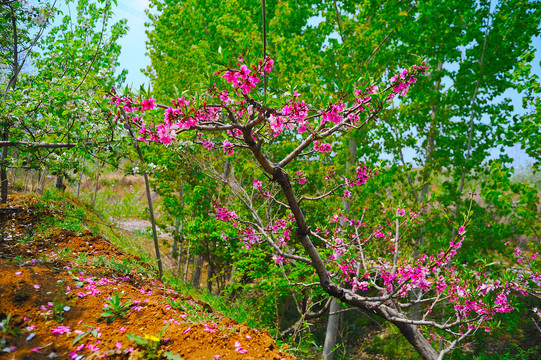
(60,186)
(3,172)
(410,331)
(210,274)
(197,269)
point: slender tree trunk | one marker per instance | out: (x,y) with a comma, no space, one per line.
(210,274)
(197,269)
(41,181)
(96,183)
(149,197)
(60,186)
(174,249)
(334,317)
(186,264)
(79,183)
(332,330)
(3,172)
(426,173)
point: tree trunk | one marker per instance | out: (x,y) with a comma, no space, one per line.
(80,183)
(60,186)
(185,278)
(174,248)
(196,276)
(334,318)
(210,274)
(332,330)
(41,181)
(97,183)
(3,172)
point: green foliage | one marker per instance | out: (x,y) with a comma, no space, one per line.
(93,331)
(115,308)
(512,353)
(8,329)
(150,345)
(71,61)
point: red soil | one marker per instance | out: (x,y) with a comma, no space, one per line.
(35,281)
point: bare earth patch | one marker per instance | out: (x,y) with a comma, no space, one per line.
(55,304)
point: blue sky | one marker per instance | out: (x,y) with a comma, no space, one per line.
(133,44)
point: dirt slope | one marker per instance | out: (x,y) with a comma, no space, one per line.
(55,285)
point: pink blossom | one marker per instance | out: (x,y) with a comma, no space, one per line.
(227,147)
(302,179)
(92,347)
(118,345)
(18,272)
(59,330)
(244,71)
(188,329)
(279,259)
(257,184)
(148,104)
(37,286)
(269,65)
(322,147)
(461,230)
(239,348)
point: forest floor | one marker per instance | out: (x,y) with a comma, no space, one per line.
(74,295)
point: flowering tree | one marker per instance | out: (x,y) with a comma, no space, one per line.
(46,108)
(371,267)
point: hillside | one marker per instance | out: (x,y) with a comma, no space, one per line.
(74,295)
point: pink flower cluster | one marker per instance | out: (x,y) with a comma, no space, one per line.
(241,78)
(401,83)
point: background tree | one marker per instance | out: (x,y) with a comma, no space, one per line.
(48,109)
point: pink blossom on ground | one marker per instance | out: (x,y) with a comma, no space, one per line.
(239,348)
(59,330)
(92,347)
